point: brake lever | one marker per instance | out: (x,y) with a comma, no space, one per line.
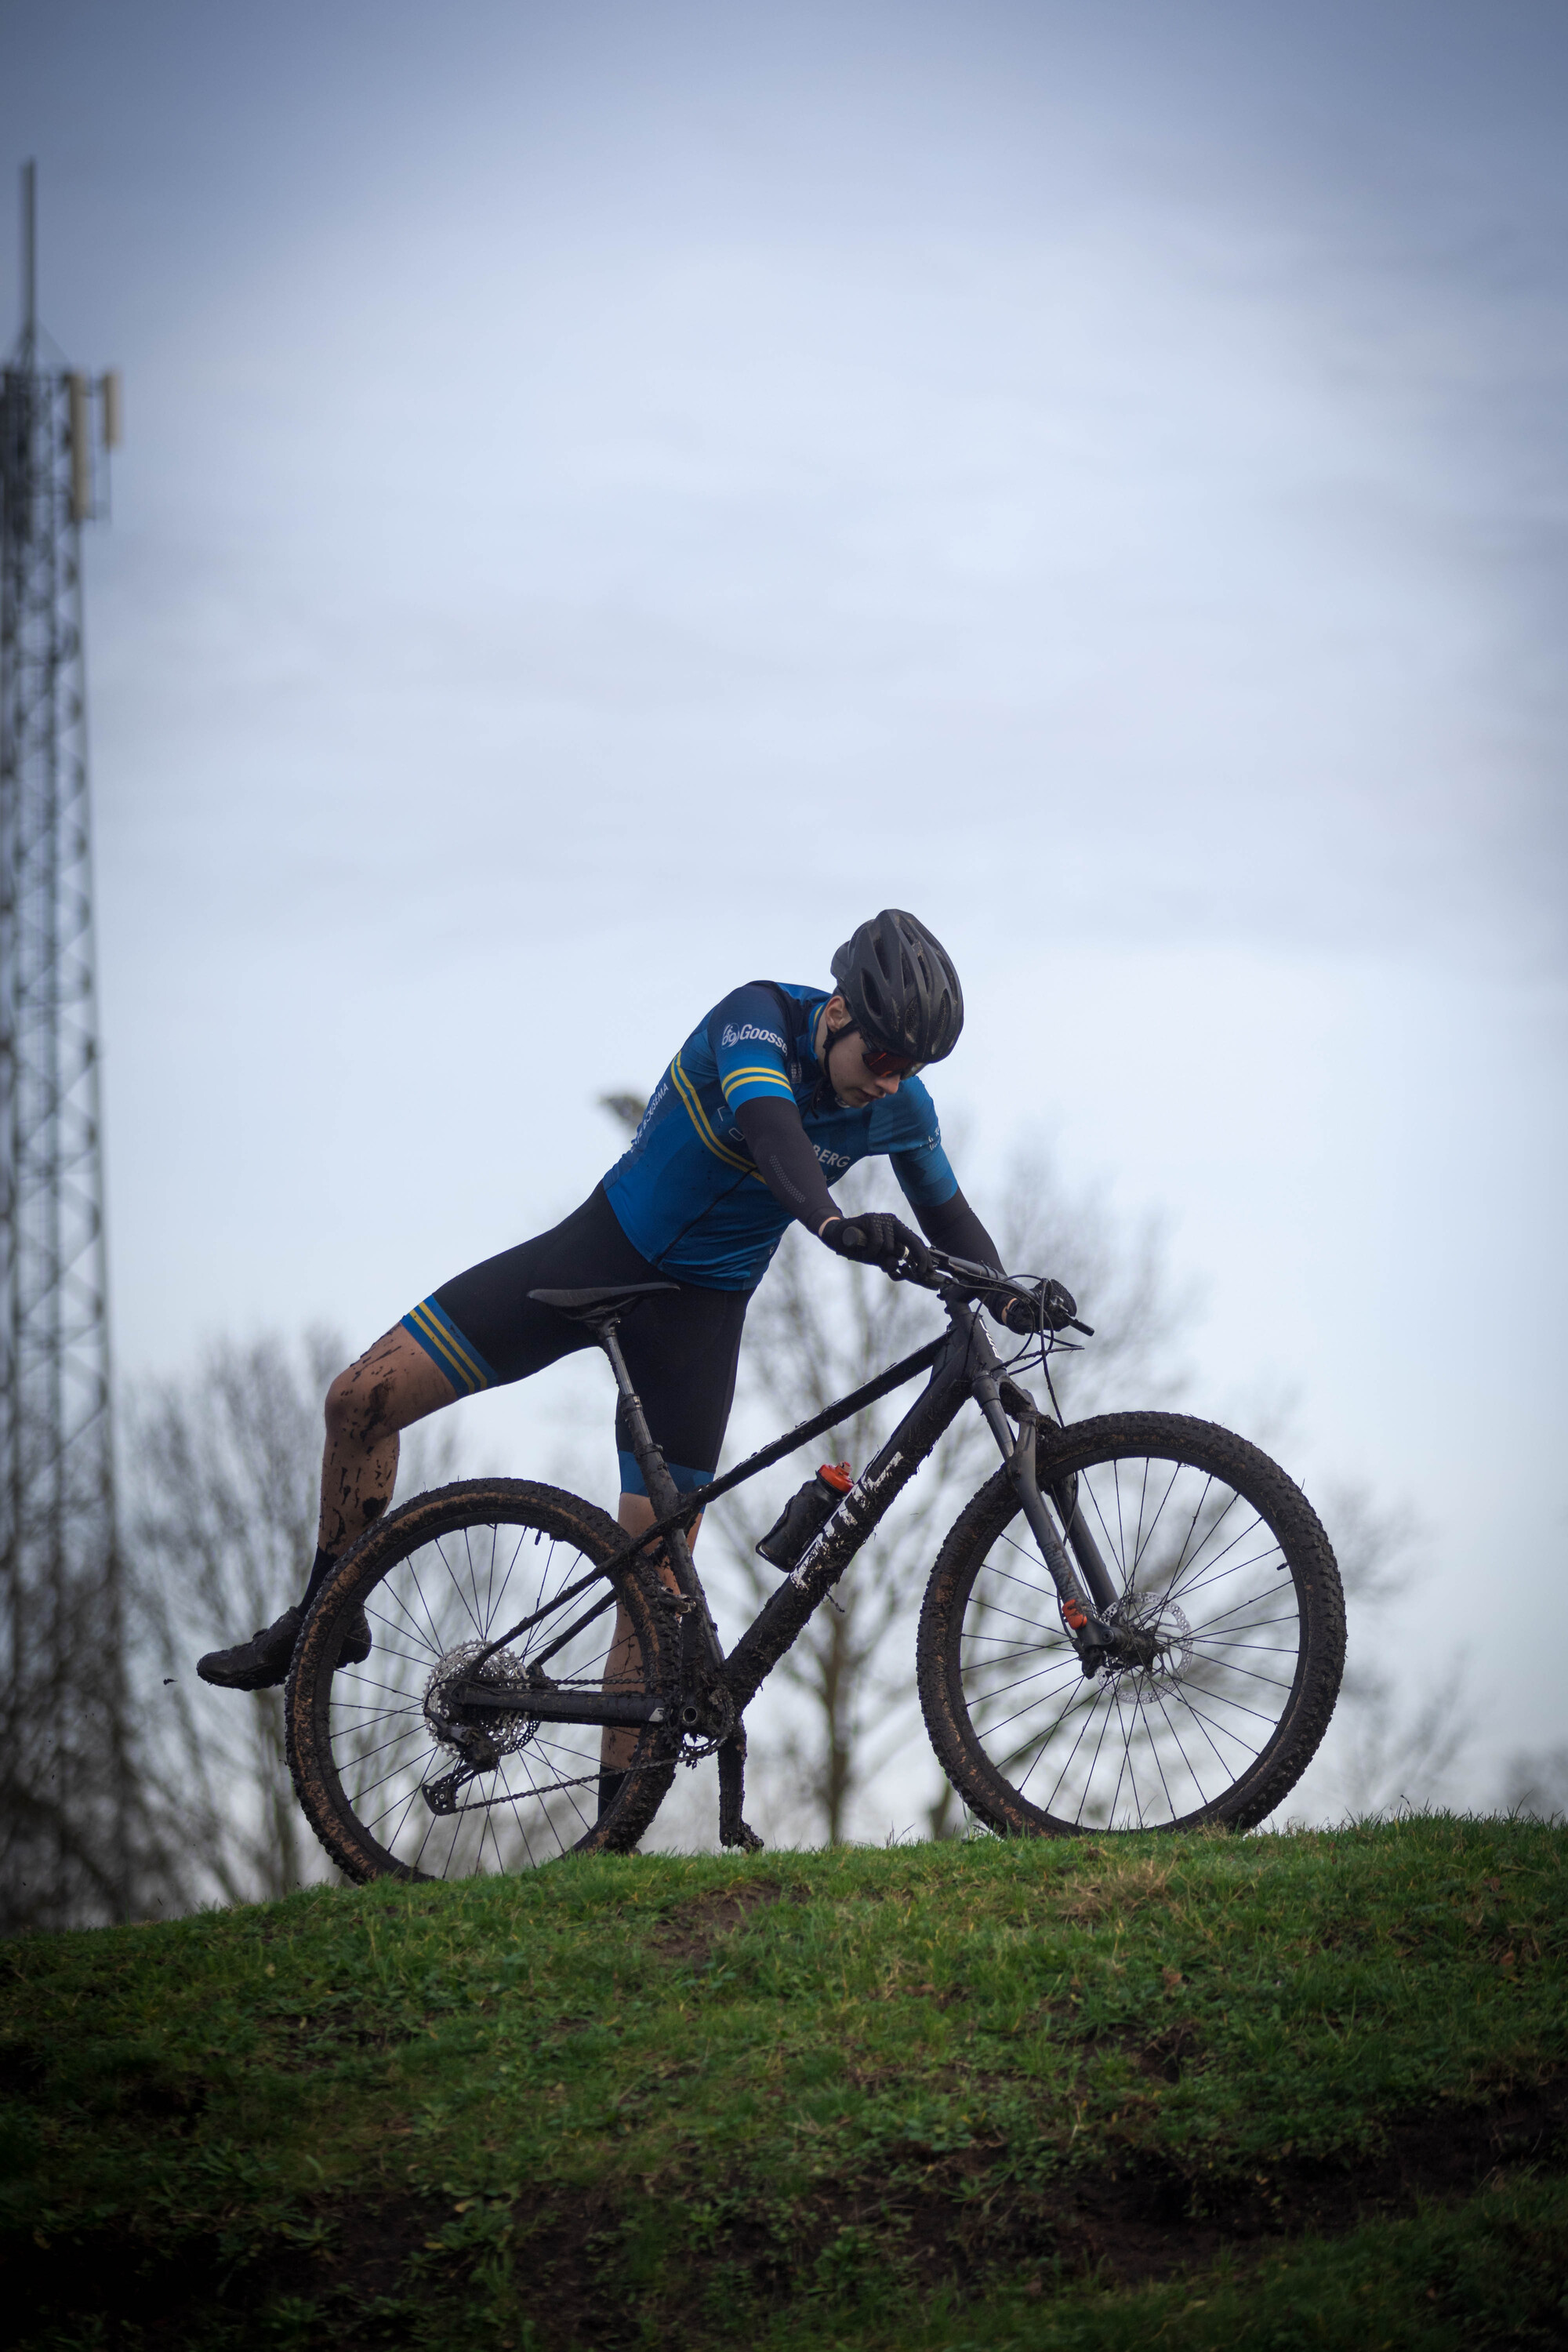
(989,1277)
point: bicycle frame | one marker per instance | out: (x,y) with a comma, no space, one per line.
(962,1364)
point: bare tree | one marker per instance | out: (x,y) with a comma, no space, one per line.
(1385,1750)
(1384,1754)
(221,1530)
(817,1330)
(1537,1783)
(77,1847)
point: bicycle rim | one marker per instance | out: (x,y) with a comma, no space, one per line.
(436,1591)
(1224,1575)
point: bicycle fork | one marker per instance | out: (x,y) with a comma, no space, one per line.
(1086,1601)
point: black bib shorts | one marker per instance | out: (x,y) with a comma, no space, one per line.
(484,1331)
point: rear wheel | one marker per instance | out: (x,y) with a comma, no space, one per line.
(380,1781)
(1227,1588)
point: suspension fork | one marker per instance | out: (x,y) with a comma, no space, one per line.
(1085,1598)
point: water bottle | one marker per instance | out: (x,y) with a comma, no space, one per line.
(804,1513)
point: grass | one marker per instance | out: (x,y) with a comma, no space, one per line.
(1302,2090)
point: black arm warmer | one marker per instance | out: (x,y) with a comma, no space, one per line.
(786,1161)
(793,1173)
(954,1226)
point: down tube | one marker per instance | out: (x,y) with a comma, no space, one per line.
(787,1610)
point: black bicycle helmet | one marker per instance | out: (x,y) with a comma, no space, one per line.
(900,984)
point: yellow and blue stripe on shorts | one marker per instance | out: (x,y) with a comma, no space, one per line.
(445,1346)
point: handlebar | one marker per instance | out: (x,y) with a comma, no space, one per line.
(967,1276)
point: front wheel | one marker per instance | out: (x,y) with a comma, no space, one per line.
(370,1744)
(1227,1587)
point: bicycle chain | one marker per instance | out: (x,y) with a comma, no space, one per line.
(692,1755)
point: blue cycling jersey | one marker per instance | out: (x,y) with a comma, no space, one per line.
(687,1192)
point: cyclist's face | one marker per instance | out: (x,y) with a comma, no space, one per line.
(853,1083)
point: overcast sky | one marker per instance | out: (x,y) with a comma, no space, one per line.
(613,494)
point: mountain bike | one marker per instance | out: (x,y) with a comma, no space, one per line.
(1136,1623)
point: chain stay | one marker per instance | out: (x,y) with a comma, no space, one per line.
(452,1781)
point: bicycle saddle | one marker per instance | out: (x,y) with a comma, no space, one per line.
(601,1302)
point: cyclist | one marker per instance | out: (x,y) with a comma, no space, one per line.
(777,1091)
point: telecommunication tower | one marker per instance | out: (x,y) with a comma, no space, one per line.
(63,1783)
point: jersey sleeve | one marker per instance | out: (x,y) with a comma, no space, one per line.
(750,1048)
(906,1128)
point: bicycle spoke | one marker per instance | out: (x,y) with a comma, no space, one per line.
(1087,1719)
(456,1582)
(1160,1732)
(433,1610)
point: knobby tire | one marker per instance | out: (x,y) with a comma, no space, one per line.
(456,1567)
(1218,1557)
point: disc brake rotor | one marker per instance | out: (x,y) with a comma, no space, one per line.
(1160,1643)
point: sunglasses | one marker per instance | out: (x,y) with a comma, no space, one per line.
(883,1064)
(877,1058)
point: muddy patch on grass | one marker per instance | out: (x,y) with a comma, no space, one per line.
(110,2287)
(1116,1893)
(1147,2220)
(931,2221)
(24,2070)
(689,1932)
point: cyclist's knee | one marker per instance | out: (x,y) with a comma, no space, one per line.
(390,1385)
(343,1411)
(361,1404)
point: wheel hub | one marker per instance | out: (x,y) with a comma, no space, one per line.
(504,1730)
(1153,1638)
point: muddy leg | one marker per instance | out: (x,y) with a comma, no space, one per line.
(394,1382)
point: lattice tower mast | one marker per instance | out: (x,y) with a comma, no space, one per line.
(63,1784)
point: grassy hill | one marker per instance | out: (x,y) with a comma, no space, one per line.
(1287,2091)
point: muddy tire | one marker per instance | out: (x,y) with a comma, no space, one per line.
(450,1572)
(1224,1570)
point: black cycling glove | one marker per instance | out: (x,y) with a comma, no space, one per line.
(1021,1316)
(878,1240)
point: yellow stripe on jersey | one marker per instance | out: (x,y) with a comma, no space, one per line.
(763,1075)
(688,1094)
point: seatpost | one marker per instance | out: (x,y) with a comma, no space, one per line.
(663,1492)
